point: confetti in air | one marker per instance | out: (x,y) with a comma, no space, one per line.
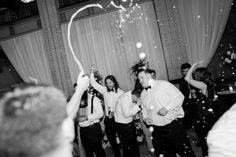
(123,21)
(215,97)
(68,33)
(131,3)
(142,55)
(210,110)
(139,45)
(151,129)
(151,107)
(152,150)
(116,6)
(127,15)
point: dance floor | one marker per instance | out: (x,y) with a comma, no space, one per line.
(145,153)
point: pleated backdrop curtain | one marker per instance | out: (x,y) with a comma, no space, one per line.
(28,56)
(111,45)
(203,25)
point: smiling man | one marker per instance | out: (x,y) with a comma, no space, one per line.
(162,109)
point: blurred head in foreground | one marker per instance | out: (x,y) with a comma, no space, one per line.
(31,119)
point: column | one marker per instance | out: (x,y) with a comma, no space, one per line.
(54,45)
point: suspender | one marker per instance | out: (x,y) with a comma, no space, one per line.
(92,104)
(92,108)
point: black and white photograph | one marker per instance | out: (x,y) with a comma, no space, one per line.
(118,78)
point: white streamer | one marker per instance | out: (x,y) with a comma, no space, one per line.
(68,32)
(116,6)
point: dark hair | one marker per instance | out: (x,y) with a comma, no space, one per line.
(85,99)
(146,71)
(85,95)
(30,120)
(136,92)
(205,76)
(75,84)
(185,66)
(153,73)
(138,85)
(142,64)
(113,79)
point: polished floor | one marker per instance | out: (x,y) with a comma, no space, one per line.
(145,153)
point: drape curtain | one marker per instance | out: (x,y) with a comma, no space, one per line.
(109,42)
(203,24)
(28,56)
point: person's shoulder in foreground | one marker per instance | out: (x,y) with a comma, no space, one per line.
(221,138)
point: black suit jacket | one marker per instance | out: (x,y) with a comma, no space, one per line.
(183,86)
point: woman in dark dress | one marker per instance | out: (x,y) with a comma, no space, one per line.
(203,102)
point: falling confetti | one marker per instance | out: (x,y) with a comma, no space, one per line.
(116,6)
(152,150)
(139,45)
(151,107)
(142,55)
(210,110)
(151,129)
(126,16)
(131,3)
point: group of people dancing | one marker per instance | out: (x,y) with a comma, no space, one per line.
(36,122)
(162,107)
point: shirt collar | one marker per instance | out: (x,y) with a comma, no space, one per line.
(151,82)
(129,94)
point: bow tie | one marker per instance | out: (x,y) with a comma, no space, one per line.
(110,90)
(149,87)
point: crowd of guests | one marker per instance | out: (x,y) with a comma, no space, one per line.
(35,120)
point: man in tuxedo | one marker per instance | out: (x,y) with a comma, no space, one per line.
(183,85)
(126,108)
(162,109)
(188,92)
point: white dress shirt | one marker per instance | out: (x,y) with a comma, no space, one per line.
(110,98)
(92,117)
(162,94)
(125,109)
(221,138)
